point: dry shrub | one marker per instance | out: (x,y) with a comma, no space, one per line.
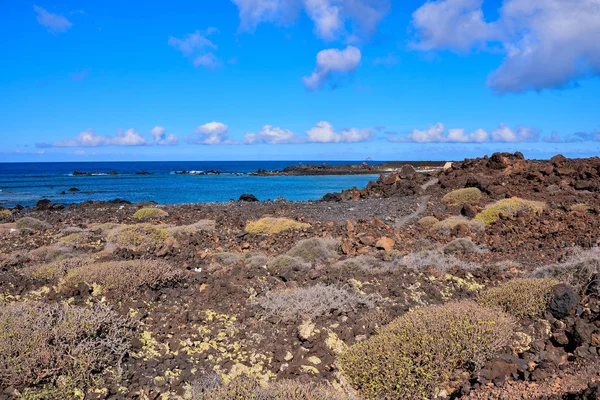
(123,278)
(285,261)
(227,258)
(246,388)
(581,207)
(428,222)
(56,270)
(148,235)
(314,249)
(50,253)
(509,208)
(144,214)
(520,297)
(32,224)
(204,225)
(431,258)
(308,303)
(257,260)
(5,213)
(272,226)
(359,263)
(447,225)
(86,240)
(40,342)
(461,197)
(419,352)
(578,269)
(461,246)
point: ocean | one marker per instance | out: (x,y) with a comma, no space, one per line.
(26,183)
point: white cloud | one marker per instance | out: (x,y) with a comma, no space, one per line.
(88,138)
(323,133)
(211,133)
(437,134)
(54,22)
(271,135)
(161,138)
(548,43)
(196,46)
(330,63)
(330,17)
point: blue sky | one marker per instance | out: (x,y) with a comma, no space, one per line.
(298,79)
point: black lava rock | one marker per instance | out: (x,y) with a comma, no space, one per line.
(564,301)
(248,197)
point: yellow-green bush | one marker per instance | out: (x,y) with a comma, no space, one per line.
(520,297)
(149,213)
(427,222)
(450,223)
(83,240)
(120,279)
(460,197)
(509,207)
(5,213)
(41,342)
(272,226)
(147,235)
(418,353)
(54,271)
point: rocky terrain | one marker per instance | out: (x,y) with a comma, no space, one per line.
(477,280)
(348,169)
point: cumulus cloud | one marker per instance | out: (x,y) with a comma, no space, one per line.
(271,135)
(211,133)
(161,137)
(88,138)
(198,47)
(547,43)
(323,132)
(437,134)
(54,22)
(332,63)
(332,18)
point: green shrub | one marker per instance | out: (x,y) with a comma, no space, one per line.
(32,224)
(418,353)
(272,226)
(509,207)
(5,213)
(427,222)
(148,235)
(120,279)
(40,342)
(461,197)
(314,249)
(520,297)
(446,226)
(149,213)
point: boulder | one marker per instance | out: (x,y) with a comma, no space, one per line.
(564,301)
(43,205)
(385,243)
(248,197)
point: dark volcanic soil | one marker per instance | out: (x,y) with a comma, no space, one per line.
(371,243)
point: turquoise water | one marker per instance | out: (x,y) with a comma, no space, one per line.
(26,183)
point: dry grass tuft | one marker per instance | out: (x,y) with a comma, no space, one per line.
(428,222)
(419,352)
(581,207)
(227,258)
(144,214)
(55,271)
(461,197)
(461,246)
(32,224)
(520,297)
(204,225)
(436,258)
(285,261)
(272,226)
(147,235)
(308,303)
(359,263)
(509,207)
(41,342)
(579,269)
(447,225)
(86,240)
(314,249)
(120,279)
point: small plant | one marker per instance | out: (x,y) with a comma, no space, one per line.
(427,222)
(83,240)
(447,225)
(148,235)
(417,353)
(32,224)
(272,226)
(359,263)
(311,302)
(285,261)
(5,213)
(144,214)
(509,207)
(204,225)
(40,343)
(461,197)
(461,246)
(314,249)
(120,279)
(581,207)
(520,297)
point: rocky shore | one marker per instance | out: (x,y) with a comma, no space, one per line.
(479,279)
(348,169)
